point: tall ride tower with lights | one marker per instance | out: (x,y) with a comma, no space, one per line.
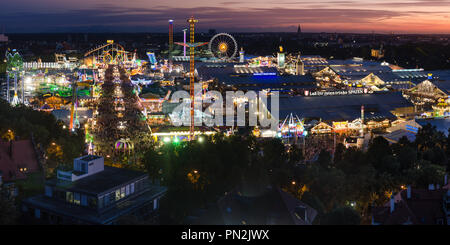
(170,39)
(192,45)
(192,22)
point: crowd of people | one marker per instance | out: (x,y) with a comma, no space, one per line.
(314,144)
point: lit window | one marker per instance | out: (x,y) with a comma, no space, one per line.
(117,194)
(77,198)
(69,197)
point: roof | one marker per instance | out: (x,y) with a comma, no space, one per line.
(258,82)
(424,207)
(118,209)
(395,136)
(342,107)
(88,158)
(443,85)
(411,74)
(441,75)
(22,156)
(274,206)
(211,71)
(442,124)
(100,182)
(360,69)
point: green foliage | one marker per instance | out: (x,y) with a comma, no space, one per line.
(365,178)
(198,173)
(341,216)
(26,122)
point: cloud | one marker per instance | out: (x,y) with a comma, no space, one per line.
(221,18)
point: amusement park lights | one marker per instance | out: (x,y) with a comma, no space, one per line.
(176,140)
(166,139)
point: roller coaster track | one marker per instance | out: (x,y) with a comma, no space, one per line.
(115,46)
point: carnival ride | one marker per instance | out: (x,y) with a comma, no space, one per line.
(124,145)
(223,46)
(74,122)
(109,53)
(151,58)
(292,126)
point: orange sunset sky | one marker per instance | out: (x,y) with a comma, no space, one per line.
(380,16)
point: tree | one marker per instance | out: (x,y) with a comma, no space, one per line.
(324,159)
(378,150)
(338,153)
(295,155)
(425,174)
(8,212)
(341,216)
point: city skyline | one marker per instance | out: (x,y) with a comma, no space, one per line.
(379,16)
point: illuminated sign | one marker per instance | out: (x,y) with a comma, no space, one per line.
(110,41)
(265,74)
(330,93)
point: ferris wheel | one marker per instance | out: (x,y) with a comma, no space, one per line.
(223,46)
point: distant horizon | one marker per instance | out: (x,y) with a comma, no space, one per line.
(217,31)
(330,16)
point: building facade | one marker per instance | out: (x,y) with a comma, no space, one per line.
(92,193)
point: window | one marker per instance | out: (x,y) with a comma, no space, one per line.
(127,190)
(117,194)
(61,194)
(138,185)
(111,197)
(77,198)
(122,192)
(93,202)
(37,213)
(84,200)
(132,188)
(155,204)
(101,201)
(48,191)
(69,197)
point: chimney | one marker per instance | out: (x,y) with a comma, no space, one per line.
(431,187)
(392,203)
(408,192)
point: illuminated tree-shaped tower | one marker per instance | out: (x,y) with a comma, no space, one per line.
(14,67)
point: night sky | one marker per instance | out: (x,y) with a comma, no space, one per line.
(365,16)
